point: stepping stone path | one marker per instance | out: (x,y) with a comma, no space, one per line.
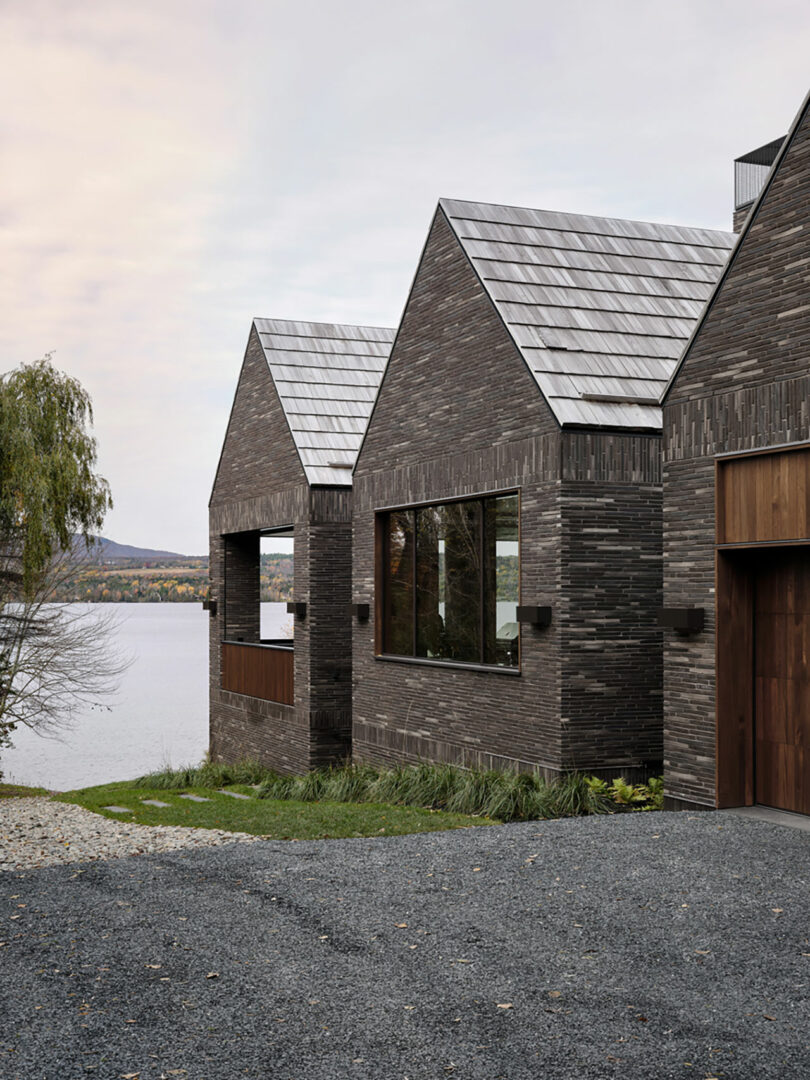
(154,802)
(196,798)
(233,794)
(118,809)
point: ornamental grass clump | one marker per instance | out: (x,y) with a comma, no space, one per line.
(209,774)
(497,794)
(281,787)
(349,783)
(474,789)
(491,793)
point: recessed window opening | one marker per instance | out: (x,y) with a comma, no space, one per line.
(276,566)
(450,581)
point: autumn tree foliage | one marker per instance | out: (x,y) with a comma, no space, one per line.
(51,659)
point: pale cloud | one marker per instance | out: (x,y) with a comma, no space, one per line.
(172,169)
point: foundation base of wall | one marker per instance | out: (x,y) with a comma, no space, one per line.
(675,802)
(388,748)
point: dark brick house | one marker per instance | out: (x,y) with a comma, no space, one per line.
(302,402)
(736,443)
(507,495)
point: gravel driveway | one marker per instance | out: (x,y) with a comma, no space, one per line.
(637,946)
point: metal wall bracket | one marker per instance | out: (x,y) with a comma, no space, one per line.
(361,612)
(537,616)
(210,606)
(297,608)
(684,620)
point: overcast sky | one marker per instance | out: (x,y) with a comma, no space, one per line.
(171,169)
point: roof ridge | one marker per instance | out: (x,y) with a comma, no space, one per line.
(340,326)
(444,202)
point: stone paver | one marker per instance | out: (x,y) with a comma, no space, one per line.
(195,798)
(233,794)
(155,802)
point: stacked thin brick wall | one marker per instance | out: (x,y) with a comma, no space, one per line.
(610,596)
(459,414)
(240,587)
(261,485)
(744,385)
(330,626)
(739,217)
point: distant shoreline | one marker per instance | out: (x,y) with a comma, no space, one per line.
(163,580)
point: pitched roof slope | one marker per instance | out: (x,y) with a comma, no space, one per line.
(600,308)
(326,376)
(739,240)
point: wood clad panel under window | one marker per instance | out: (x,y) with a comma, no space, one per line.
(764,498)
(258,671)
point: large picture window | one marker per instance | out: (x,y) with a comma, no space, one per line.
(449,580)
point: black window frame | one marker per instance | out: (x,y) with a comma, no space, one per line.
(382,516)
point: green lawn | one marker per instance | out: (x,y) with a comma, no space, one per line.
(277,819)
(17,791)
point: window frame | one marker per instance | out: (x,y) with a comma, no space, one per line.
(381,517)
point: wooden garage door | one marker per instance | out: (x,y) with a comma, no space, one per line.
(782,678)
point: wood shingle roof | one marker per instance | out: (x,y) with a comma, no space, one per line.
(600,308)
(326,376)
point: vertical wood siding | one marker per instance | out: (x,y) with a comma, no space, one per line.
(259,671)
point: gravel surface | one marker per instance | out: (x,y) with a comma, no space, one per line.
(638,946)
(37,832)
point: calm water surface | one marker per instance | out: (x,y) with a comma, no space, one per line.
(158,717)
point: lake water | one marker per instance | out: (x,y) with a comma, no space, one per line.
(158,717)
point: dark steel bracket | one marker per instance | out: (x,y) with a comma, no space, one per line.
(537,616)
(685,620)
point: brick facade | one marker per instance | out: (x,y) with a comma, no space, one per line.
(743,385)
(261,484)
(459,414)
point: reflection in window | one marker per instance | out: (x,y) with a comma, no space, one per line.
(276,576)
(399,583)
(448,582)
(451,581)
(501,580)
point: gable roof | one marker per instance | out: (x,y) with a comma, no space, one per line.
(740,240)
(326,376)
(600,308)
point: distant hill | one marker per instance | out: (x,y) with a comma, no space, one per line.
(104,550)
(123,574)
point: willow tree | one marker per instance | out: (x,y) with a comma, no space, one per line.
(53,658)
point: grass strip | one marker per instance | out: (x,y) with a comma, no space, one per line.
(19,791)
(280,819)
